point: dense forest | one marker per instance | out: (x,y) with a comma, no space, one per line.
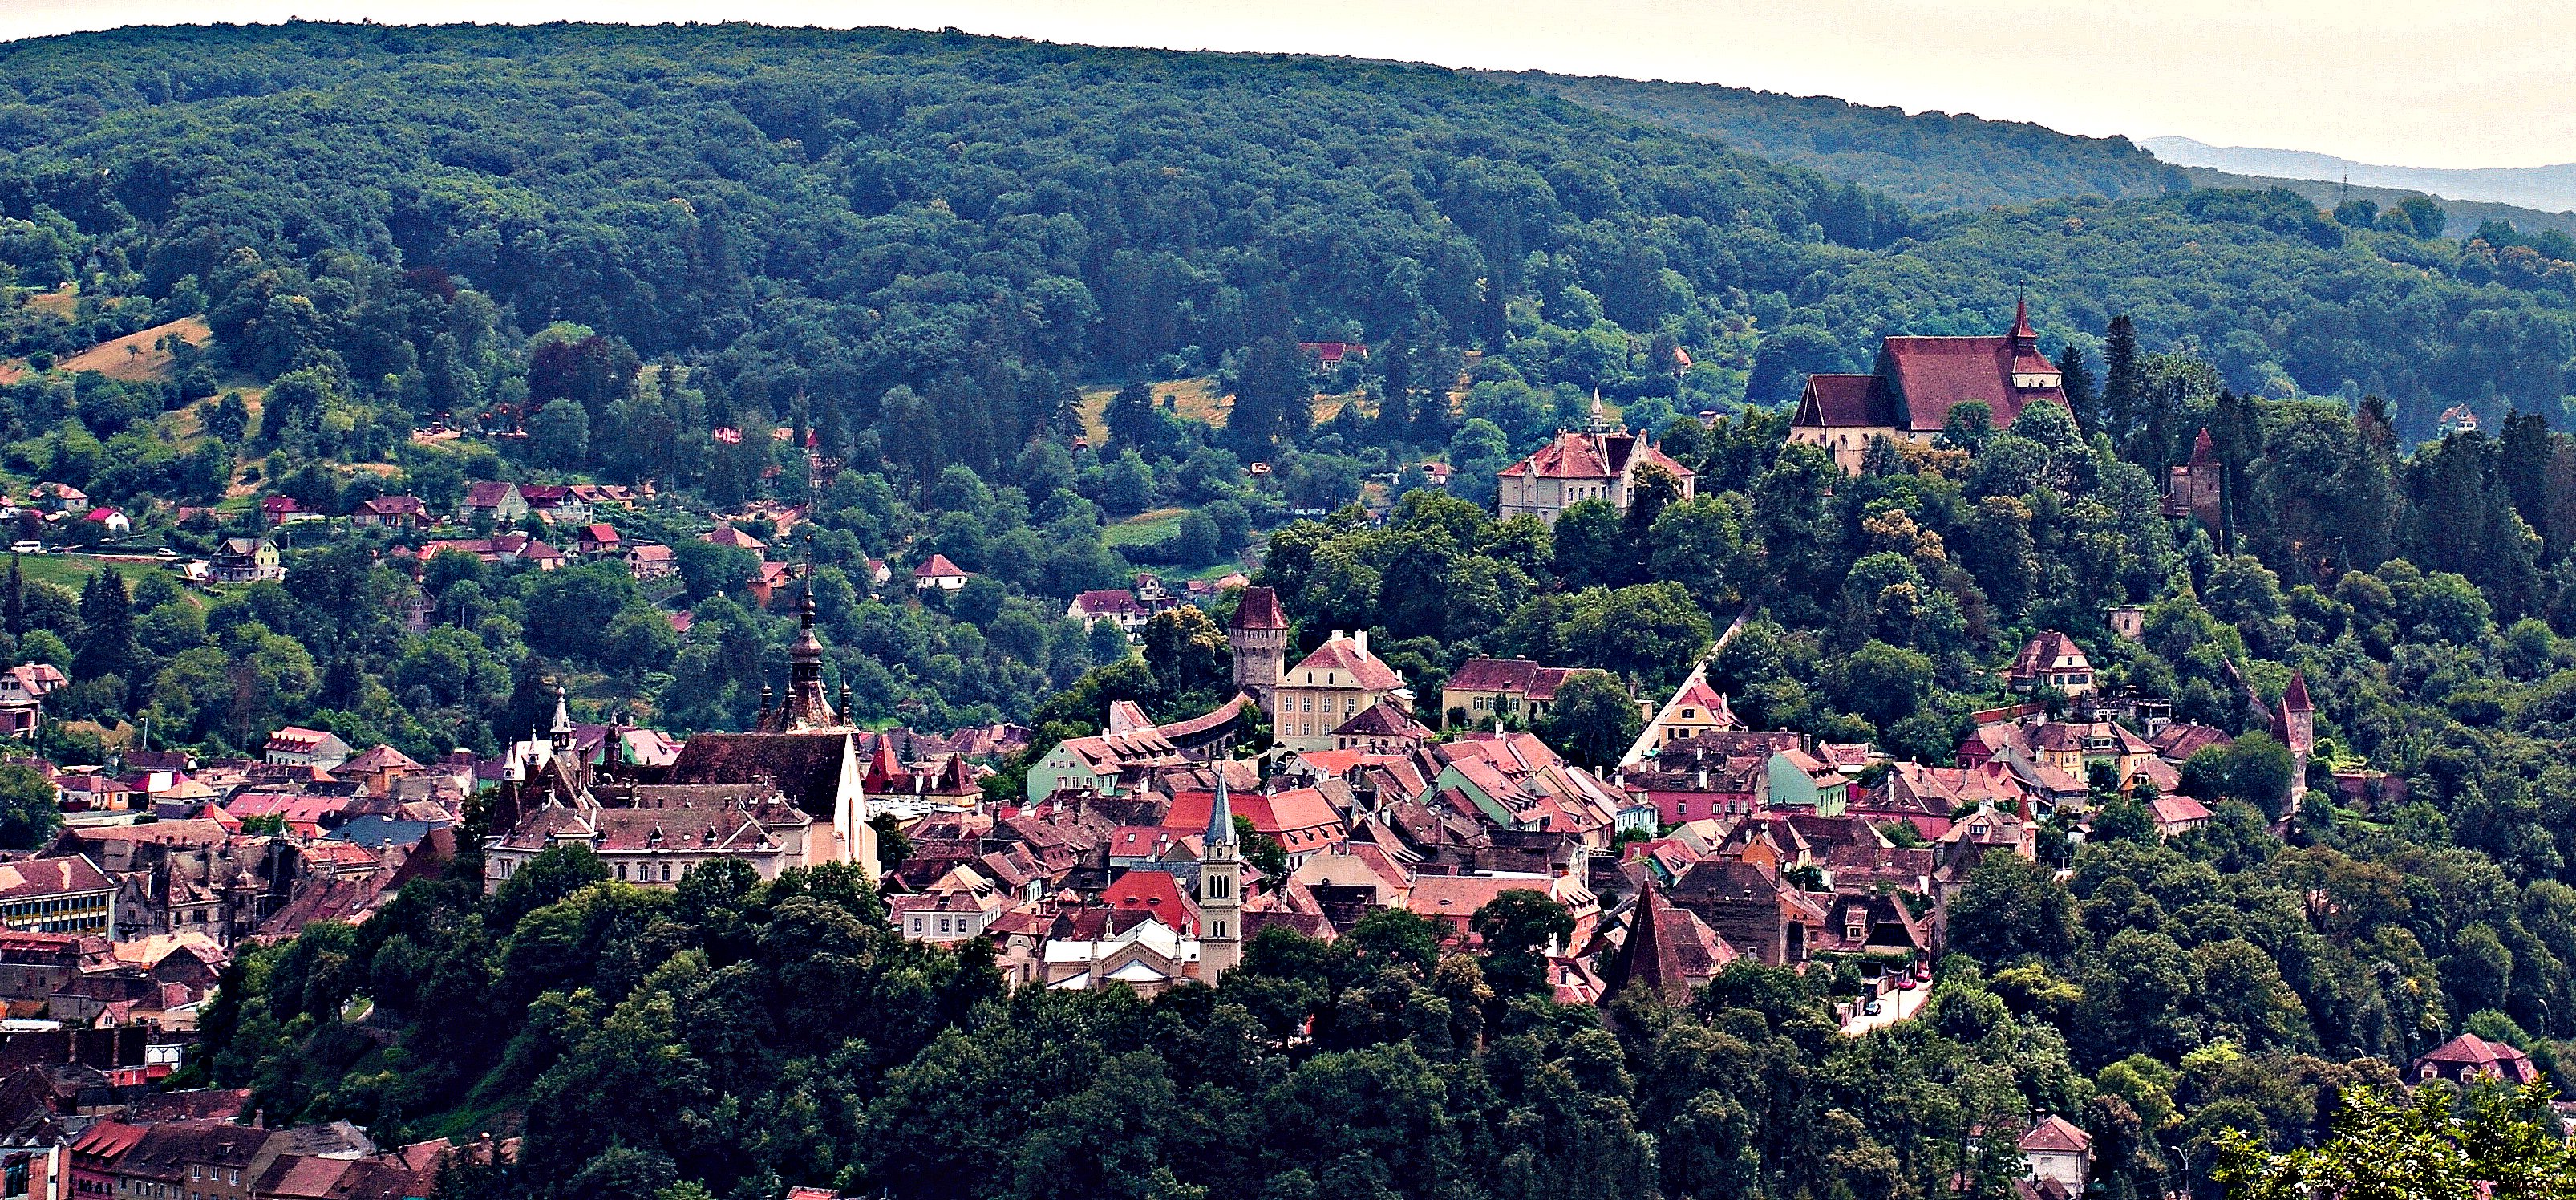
(1039,309)
(1929,160)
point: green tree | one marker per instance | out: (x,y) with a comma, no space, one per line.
(2506,1144)
(1520,928)
(1592,720)
(2011,907)
(28,812)
(559,435)
(107,645)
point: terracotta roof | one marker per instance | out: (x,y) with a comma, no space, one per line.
(2180,740)
(1593,456)
(1833,401)
(1382,719)
(1494,675)
(1259,609)
(2058,1135)
(1367,670)
(1155,892)
(1668,949)
(2040,654)
(2471,1051)
(939,568)
(31,877)
(486,493)
(2296,698)
(1106,602)
(1935,374)
(2174,810)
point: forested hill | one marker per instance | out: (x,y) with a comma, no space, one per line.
(1931,160)
(818,216)
(833,213)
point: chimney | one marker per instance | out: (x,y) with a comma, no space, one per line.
(1360,640)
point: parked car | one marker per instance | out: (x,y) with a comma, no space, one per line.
(1873,1008)
(26,547)
(165,552)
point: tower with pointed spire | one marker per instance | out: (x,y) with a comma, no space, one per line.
(560,733)
(806,706)
(1220,890)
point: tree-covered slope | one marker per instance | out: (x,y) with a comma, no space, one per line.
(1930,160)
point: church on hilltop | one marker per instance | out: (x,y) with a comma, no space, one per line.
(1916,383)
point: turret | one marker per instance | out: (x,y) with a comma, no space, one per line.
(1258,634)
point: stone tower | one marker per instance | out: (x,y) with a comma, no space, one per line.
(1259,635)
(2296,727)
(1220,889)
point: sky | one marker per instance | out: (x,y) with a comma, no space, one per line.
(2453,83)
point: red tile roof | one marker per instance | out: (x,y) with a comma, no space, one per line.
(1593,456)
(32,877)
(1342,654)
(1155,892)
(2058,1135)
(1382,719)
(1846,400)
(939,568)
(1259,609)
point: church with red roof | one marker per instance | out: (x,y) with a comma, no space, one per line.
(1916,383)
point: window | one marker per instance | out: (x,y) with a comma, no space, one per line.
(621,870)
(918,926)
(666,872)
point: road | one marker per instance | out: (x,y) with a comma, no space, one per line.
(1645,743)
(1894,1007)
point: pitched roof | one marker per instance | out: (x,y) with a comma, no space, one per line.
(1494,675)
(31,877)
(1382,719)
(1832,401)
(1668,949)
(806,767)
(2474,1052)
(1106,602)
(2056,1134)
(1367,670)
(1157,892)
(939,568)
(1259,609)
(2040,654)
(1574,455)
(2174,810)
(2296,698)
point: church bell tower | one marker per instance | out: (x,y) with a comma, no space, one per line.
(1220,890)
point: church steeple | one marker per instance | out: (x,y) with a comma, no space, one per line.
(560,733)
(1220,888)
(2025,339)
(806,706)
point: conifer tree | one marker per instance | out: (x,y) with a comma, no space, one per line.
(2122,383)
(107,627)
(2077,378)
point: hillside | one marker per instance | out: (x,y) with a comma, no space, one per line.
(2465,215)
(2550,188)
(1930,160)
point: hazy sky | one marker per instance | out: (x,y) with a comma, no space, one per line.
(2436,83)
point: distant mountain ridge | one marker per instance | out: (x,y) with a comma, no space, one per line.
(2549,188)
(1931,161)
